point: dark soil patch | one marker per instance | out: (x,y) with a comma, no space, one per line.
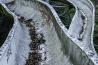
(35,57)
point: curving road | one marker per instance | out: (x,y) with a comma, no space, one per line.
(34,40)
(82,26)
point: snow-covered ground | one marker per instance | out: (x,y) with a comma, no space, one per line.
(22,40)
(15,50)
(53,45)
